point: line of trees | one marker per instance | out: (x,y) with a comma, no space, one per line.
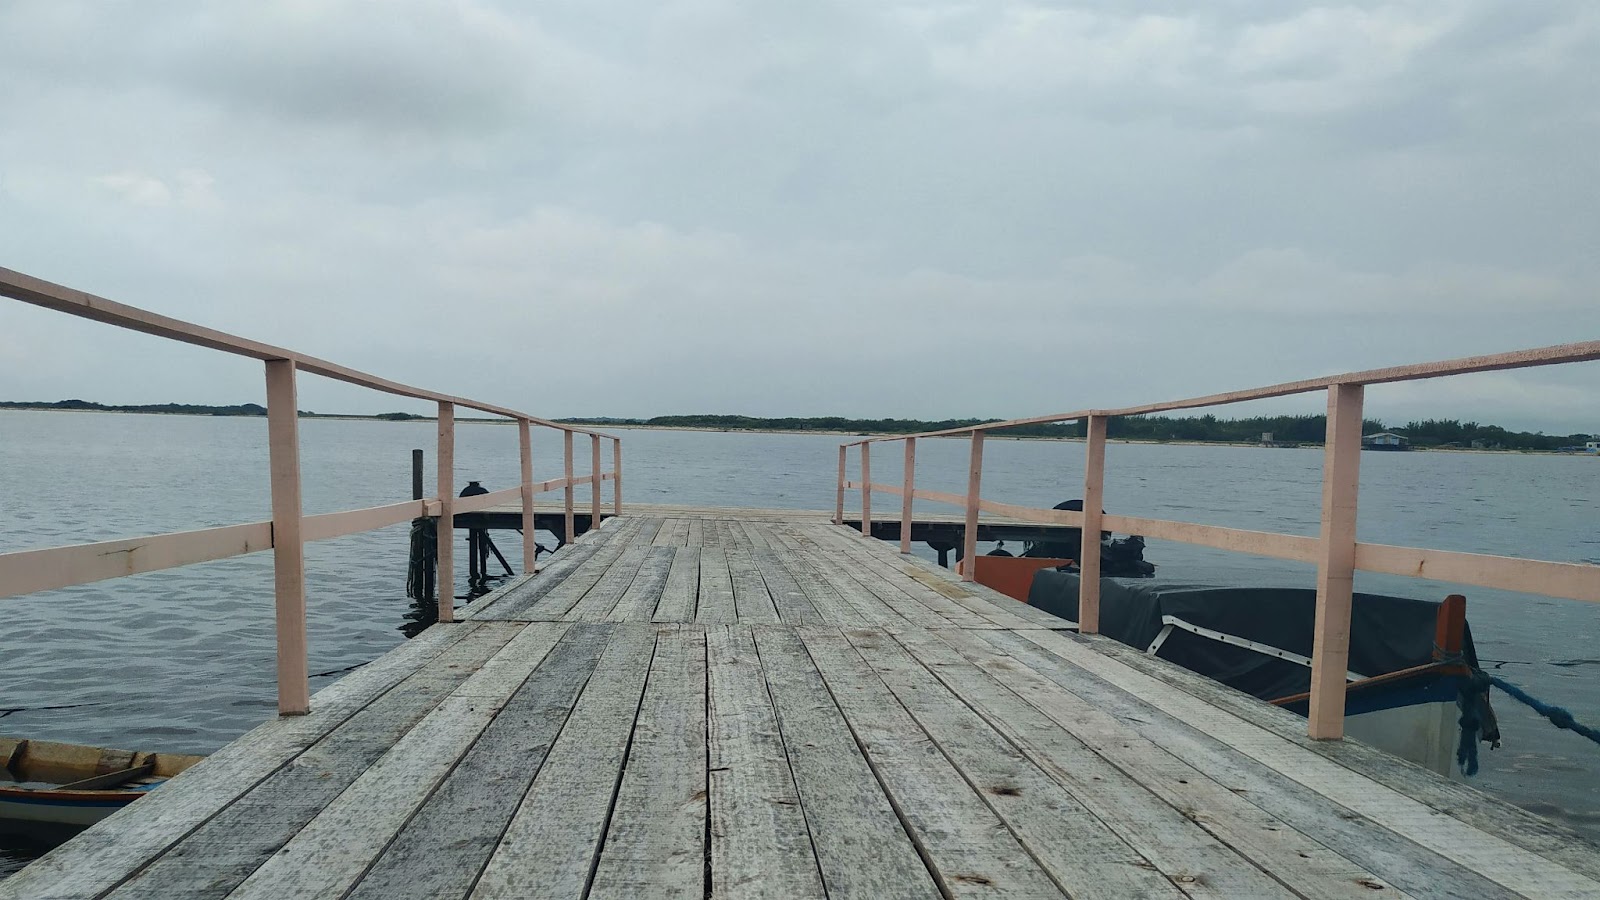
(1209,428)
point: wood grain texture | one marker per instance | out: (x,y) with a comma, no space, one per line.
(655,844)
(969,848)
(638,602)
(862,847)
(678,595)
(444,846)
(760,842)
(1083,856)
(327,856)
(716,588)
(224,851)
(550,847)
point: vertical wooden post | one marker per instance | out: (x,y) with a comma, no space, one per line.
(445,530)
(288,546)
(866,489)
(838,504)
(616,476)
(530,547)
(1341,478)
(1094,477)
(568,495)
(416,474)
(969,535)
(906,496)
(596,484)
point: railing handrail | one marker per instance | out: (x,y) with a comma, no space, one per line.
(38,292)
(1335,551)
(1586,351)
(29,571)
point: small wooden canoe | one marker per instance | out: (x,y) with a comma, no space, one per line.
(70,784)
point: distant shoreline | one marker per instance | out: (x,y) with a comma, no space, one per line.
(240,413)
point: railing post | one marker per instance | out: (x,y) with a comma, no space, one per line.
(866,489)
(1094,477)
(616,476)
(530,547)
(288,546)
(969,534)
(838,504)
(1341,476)
(905,496)
(596,484)
(568,494)
(445,530)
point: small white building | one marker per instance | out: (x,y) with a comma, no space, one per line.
(1385,440)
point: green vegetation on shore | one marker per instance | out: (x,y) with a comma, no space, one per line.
(1207,428)
(1431,433)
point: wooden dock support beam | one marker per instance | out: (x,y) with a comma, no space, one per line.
(906,495)
(595,485)
(568,494)
(1094,478)
(616,476)
(866,489)
(288,543)
(530,547)
(1336,556)
(969,534)
(838,504)
(444,538)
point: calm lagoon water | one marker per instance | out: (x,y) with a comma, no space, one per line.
(182,660)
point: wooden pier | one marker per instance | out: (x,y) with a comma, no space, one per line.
(741,706)
(942,532)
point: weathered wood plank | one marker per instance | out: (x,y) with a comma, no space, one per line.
(220,854)
(1183,846)
(447,842)
(794,607)
(1532,832)
(751,599)
(1120,726)
(716,588)
(862,847)
(848,589)
(655,846)
(1083,856)
(564,594)
(830,606)
(678,595)
(760,843)
(847,571)
(327,856)
(756,534)
(638,603)
(696,535)
(599,600)
(518,602)
(549,849)
(1486,853)
(103,856)
(891,577)
(969,848)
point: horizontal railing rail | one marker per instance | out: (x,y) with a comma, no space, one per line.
(34,570)
(1335,551)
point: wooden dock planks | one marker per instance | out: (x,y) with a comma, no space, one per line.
(760,708)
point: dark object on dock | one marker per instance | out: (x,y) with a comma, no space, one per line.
(479,546)
(1118,558)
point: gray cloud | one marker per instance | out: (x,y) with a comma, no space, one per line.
(913,208)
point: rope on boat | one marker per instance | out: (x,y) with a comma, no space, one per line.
(1472,721)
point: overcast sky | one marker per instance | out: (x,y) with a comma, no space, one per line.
(890,208)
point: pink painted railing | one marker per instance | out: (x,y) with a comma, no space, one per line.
(27,571)
(1336,552)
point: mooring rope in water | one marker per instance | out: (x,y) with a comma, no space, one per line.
(1472,722)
